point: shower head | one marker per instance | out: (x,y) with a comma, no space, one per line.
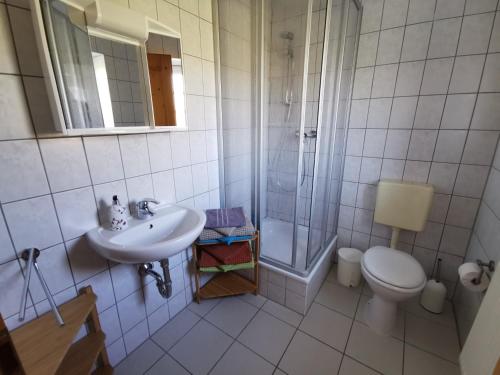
(287,35)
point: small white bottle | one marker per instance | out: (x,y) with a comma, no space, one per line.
(118,215)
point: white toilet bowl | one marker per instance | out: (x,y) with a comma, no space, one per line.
(394,276)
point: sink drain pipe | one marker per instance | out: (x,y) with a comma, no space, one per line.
(164,284)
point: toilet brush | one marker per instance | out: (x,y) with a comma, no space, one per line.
(434,293)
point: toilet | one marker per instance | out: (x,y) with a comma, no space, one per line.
(392,274)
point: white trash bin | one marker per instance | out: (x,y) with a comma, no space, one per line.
(349,267)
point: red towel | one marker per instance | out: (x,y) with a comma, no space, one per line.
(214,255)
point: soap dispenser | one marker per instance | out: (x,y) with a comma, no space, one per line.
(118,215)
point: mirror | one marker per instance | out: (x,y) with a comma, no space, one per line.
(107,81)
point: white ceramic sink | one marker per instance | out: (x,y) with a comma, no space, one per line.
(169,231)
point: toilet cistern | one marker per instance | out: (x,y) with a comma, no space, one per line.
(402,205)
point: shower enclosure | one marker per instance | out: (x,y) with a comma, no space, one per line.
(284,162)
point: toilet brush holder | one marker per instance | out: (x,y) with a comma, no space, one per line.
(434,294)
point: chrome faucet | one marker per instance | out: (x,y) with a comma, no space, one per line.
(142,208)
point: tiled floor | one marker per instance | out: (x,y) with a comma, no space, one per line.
(252,335)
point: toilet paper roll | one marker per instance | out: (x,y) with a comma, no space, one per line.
(468,272)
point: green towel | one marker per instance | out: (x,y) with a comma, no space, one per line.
(229,267)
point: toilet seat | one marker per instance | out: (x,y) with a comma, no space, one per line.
(393,267)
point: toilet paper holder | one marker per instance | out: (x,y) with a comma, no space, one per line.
(489,265)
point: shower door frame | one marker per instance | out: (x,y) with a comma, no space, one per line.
(334,118)
(259,105)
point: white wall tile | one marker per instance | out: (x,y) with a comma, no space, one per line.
(183,183)
(200,178)
(65,163)
(392,169)
(416,42)
(475,34)
(422,145)
(189,5)
(466,73)
(362,83)
(372,21)
(206,10)
(458,111)
(367,54)
(416,171)
(384,80)
(164,186)
(397,144)
(442,176)
(169,14)
(190,31)
(480,147)
(429,112)
(409,78)
(444,38)
(378,114)
(359,113)
(197,144)
(439,207)
(104,158)
(193,75)
(389,47)
(131,310)
(77,212)
(487,112)
(33,223)
(454,241)
(480,6)
(491,76)
(394,13)
(462,211)
(160,152)
(134,150)
(495,36)
(84,260)
(471,180)
(195,116)
(370,170)
(375,141)
(449,8)
(420,11)
(437,75)
(450,145)
(21,165)
(181,153)
(403,112)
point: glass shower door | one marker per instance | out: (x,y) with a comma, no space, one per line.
(285,37)
(337,75)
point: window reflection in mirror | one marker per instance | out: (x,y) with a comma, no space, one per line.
(117,69)
(166,80)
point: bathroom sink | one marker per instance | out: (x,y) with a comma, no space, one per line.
(172,229)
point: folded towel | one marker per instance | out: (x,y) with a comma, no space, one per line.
(238,252)
(225,217)
(227,235)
